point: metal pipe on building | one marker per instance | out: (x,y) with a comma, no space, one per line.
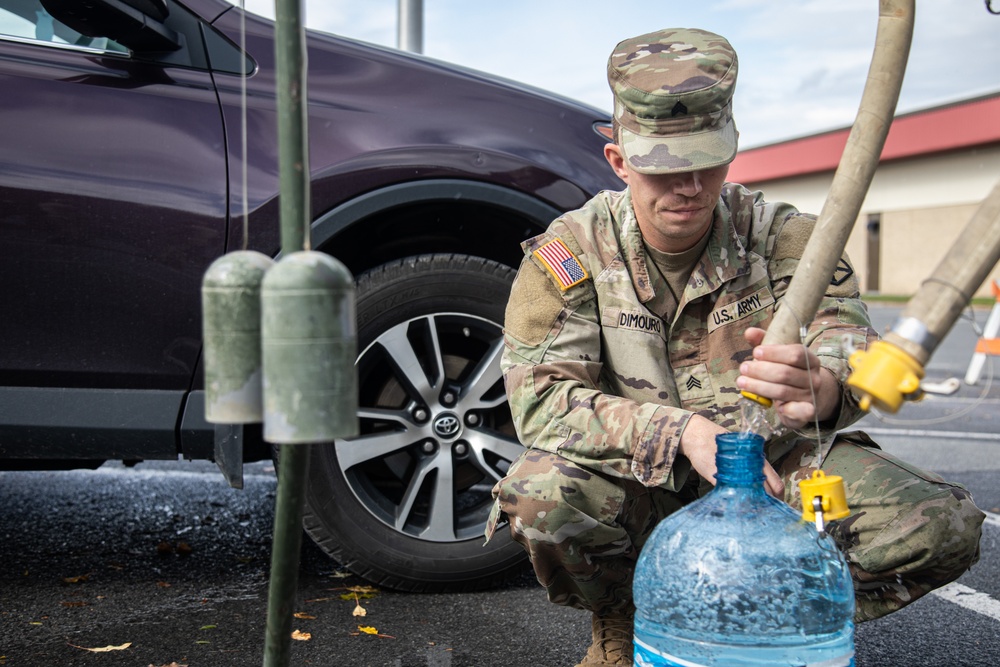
(410,36)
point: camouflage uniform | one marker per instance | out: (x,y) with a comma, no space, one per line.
(603,370)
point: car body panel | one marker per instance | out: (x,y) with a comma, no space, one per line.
(372,124)
(106,297)
(121,181)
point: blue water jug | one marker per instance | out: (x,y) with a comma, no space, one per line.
(736,578)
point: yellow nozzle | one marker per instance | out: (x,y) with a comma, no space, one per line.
(885,376)
(766,402)
(830,491)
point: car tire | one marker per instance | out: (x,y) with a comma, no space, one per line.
(405,503)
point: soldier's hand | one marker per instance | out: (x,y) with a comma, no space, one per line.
(698,445)
(790,375)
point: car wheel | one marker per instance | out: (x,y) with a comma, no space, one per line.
(404,504)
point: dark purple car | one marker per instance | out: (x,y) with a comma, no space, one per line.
(121,174)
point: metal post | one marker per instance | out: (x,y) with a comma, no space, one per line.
(293,135)
(293,467)
(293,168)
(411,26)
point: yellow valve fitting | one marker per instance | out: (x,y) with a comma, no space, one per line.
(885,376)
(766,402)
(830,490)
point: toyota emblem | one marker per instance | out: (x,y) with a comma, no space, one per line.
(447,426)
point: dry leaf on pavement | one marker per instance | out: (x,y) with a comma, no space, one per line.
(104,649)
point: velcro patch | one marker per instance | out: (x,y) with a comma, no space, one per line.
(643,321)
(561,263)
(693,383)
(737,310)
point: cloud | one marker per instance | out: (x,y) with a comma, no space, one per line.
(803,63)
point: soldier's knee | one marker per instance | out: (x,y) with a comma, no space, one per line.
(957,530)
(543,477)
(550,499)
(939,534)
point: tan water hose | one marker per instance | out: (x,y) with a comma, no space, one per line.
(889,372)
(853,176)
(942,297)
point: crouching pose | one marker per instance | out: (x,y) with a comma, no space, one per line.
(632,327)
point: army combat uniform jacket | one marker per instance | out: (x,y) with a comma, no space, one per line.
(604,367)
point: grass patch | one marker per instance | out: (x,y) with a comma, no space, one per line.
(902,299)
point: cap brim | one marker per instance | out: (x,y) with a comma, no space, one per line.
(679,153)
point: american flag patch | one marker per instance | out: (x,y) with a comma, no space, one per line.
(561,263)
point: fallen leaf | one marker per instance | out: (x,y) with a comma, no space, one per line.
(340,574)
(162,584)
(358,609)
(354,595)
(302,614)
(319,600)
(164,548)
(203,641)
(76,603)
(104,649)
(369,630)
(208,627)
(301,636)
(184,549)
(76,580)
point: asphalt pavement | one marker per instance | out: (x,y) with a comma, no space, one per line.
(163,563)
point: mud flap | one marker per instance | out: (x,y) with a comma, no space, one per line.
(229,453)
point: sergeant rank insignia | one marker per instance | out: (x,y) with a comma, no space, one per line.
(561,263)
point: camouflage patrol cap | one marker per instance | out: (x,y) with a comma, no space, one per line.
(673,94)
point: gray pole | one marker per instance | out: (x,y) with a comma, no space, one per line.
(411,26)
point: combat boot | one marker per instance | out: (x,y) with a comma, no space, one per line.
(612,641)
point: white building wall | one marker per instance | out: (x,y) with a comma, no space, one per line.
(924,204)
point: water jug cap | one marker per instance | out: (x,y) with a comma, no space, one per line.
(830,490)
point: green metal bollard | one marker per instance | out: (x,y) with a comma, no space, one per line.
(309,341)
(309,346)
(230,293)
(310,396)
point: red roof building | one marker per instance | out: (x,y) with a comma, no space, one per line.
(936,167)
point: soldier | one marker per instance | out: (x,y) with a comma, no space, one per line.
(632,327)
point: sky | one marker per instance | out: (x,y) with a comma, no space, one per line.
(803,63)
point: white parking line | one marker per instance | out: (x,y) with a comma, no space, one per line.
(930,433)
(971,599)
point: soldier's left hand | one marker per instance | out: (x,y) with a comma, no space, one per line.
(791,376)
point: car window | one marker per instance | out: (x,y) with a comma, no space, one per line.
(28,20)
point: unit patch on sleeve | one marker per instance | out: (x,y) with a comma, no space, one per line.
(561,263)
(737,310)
